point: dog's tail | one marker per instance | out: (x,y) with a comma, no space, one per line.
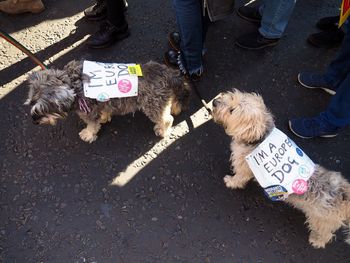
(181,93)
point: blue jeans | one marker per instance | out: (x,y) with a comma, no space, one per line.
(275,16)
(192,27)
(338,73)
(339,68)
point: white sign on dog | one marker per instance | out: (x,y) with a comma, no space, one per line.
(109,80)
(280,166)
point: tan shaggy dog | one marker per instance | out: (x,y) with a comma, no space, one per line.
(53,93)
(326,203)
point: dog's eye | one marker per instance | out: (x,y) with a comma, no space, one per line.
(231,110)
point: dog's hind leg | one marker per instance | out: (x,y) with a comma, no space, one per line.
(347,223)
(322,229)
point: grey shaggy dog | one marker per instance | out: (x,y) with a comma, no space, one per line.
(247,120)
(53,93)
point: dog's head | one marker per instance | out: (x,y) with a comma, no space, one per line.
(50,96)
(243,115)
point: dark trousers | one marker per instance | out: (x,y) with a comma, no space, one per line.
(192,28)
(338,75)
(116,12)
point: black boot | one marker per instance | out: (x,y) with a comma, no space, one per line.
(96,12)
(108,34)
(255,40)
(174,40)
(171,57)
(327,39)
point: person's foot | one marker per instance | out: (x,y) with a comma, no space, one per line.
(315,81)
(174,40)
(327,39)
(14,7)
(308,128)
(108,34)
(254,41)
(328,23)
(96,12)
(250,14)
(171,58)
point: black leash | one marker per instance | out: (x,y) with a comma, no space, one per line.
(205,104)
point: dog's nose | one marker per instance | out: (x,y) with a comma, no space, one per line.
(36,119)
(215,103)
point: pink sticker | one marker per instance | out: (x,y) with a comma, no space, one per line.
(299,186)
(124,85)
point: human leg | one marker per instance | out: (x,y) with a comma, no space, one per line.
(338,111)
(339,68)
(275,17)
(190,24)
(115,28)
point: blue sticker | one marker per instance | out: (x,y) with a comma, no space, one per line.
(102,97)
(276,192)
(304,171)
(299,152)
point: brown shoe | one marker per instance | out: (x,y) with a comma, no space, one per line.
(21,6)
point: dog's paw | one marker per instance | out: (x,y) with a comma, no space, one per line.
(232,182)
(316,242)
(87,136)
(160,132)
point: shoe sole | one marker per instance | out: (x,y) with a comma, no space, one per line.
(256,48)
(111,42)
(248,18)
(329,91)
(303,137)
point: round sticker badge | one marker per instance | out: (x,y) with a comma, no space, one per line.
(103,97)
(299,186)
(304,171)
(124,85)
(299,152)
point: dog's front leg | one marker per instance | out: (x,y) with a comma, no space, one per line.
(239,180)
(89,134)
(163,120)
(105,116)
(243,174)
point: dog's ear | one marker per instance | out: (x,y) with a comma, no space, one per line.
(31,77)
